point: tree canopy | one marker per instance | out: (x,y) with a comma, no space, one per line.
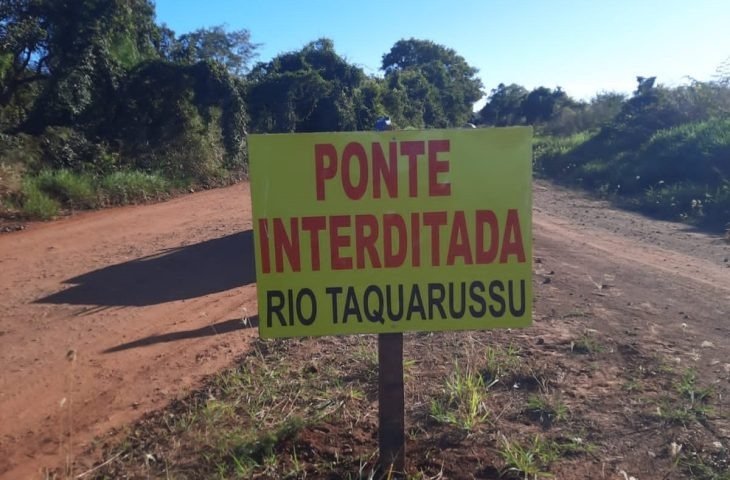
(97,87)
(429,85)
(234,50)
(312,89)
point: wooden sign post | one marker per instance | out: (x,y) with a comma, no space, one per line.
(392,232)
(391,403)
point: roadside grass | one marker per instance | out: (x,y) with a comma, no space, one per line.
(73,190)
(689,405)
(35,203)
(586,344)
(503,364)
(678,173)
(632,385)
(121,188)
(705,466)
(307,408)
(547,409)
(528,460)
(463,400)
(50,193)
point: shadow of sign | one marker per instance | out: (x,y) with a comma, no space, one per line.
(219,328)
(181,273)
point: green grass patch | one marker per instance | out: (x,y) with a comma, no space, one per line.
(67,188)
(36,204)
(248,421)
(687,387)
(528,460)
(503,364)
(463,400)
(546,409)
(705,466)
(121,188)
(690,405)
(586,345)
(44,195)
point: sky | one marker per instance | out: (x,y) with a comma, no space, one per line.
(585,47)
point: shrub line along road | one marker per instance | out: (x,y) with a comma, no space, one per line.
(107,315)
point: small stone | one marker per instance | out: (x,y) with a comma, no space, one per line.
(675,448)
(707,344)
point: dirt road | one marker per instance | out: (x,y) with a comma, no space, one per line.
(110,314)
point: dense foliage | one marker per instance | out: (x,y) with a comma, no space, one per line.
(664,151)
(428,85)
(96,99)
(94,92)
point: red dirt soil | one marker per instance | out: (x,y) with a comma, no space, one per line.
(108,315)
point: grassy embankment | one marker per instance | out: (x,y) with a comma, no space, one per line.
(44,176)
(680,173)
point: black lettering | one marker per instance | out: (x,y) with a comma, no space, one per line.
(272,309)
(476,292)
(334,291)
(514,311)
(313,308)
(389,300)
(436,301)
(351,306)
(374,315)
(415,304)
(290,299)
(462,306)
(497,297)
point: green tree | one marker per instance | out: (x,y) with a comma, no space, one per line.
(431,84)
(234,50)
(186,120)
(313,89)
(542,103)
(77,49)
(577,116)
(504,106)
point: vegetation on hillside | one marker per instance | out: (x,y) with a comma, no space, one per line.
(665,152)
(94,91)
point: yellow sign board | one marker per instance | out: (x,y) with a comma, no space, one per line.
(380,232)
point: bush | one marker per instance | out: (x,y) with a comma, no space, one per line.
(682,172)
(36,204)
(121,188)
(68,188)
(552,155)
(187,121)
(21,151)
(694,152)
(66,148)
